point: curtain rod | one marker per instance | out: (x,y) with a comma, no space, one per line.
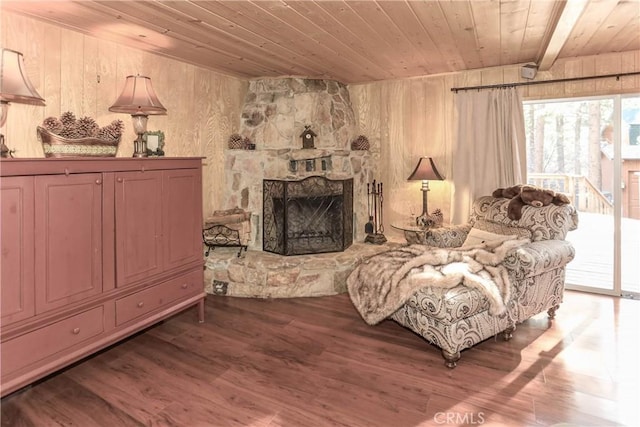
(540,82)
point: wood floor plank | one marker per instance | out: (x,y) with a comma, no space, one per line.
(314,362)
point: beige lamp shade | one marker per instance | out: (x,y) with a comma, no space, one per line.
(138,98)
(15,85)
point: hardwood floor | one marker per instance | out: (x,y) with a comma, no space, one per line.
(314,362)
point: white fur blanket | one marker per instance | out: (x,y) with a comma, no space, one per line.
(381,284)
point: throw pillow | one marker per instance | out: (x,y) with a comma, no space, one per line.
(478,237)
(498,228)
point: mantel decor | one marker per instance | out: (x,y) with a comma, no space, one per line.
(308,137)
(360,143)
(238,142)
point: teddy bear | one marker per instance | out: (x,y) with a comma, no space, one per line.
(522,195)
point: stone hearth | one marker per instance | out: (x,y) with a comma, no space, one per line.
(265,275)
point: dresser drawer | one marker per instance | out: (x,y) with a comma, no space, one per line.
(49,340)
(155,297)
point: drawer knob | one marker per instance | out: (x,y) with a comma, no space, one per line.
(140,304)
(184,286)
(98,181)
(76,331)
(119,179)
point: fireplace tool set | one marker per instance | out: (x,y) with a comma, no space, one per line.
(374,228)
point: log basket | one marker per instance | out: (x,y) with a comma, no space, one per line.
(58,146)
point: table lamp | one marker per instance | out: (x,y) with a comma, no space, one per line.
(140,100)
(15,86)
(425,170)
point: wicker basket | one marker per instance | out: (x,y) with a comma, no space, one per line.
(58,146)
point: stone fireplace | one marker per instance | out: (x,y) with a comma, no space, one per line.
(275,114)
(311,216)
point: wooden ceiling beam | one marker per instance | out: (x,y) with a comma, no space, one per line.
(567,14)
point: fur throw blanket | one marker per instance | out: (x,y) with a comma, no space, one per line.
(382,283)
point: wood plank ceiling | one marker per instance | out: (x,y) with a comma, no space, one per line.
(352,41)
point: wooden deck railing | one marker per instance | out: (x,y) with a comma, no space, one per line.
(583,194)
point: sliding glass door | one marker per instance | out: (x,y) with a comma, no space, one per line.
(589,149)
(630,195)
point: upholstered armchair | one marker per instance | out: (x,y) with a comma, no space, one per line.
(459,317)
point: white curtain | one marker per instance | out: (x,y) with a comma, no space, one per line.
(490,150)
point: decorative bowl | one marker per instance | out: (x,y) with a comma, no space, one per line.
(58,146)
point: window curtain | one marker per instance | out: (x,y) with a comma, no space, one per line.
(490,150)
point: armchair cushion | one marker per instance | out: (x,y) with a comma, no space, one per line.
(477,236)
(498,228)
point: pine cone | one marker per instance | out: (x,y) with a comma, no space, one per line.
(52,124)
(68,119)
(68,132)
(360,143)
(87,127)
(438,216)
(235,142)
(111,132)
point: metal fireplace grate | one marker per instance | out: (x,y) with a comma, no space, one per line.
(313,215)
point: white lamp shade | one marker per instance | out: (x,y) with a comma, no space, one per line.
(138,97)
(15,86)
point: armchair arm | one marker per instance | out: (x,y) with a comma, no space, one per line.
(451,236)
(537,257)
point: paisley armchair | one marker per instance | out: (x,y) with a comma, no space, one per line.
(457,318)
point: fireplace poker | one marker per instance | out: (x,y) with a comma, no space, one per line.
(375,208)
(368,227)
(381,211)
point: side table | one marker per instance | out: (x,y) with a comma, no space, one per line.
(412,233)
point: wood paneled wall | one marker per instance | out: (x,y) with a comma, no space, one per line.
(403,119)
(410,118)
(85,75)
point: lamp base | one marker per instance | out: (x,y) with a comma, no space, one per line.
(376,238)
(140,147)
(5,152)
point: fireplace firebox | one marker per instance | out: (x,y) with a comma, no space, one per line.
(313,215)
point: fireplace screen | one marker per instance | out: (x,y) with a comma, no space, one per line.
(314,215)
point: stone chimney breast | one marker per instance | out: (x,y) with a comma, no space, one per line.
(273,118)
(277,110)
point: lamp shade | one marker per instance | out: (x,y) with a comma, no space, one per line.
(15,86)
(138,97)
(425,170)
